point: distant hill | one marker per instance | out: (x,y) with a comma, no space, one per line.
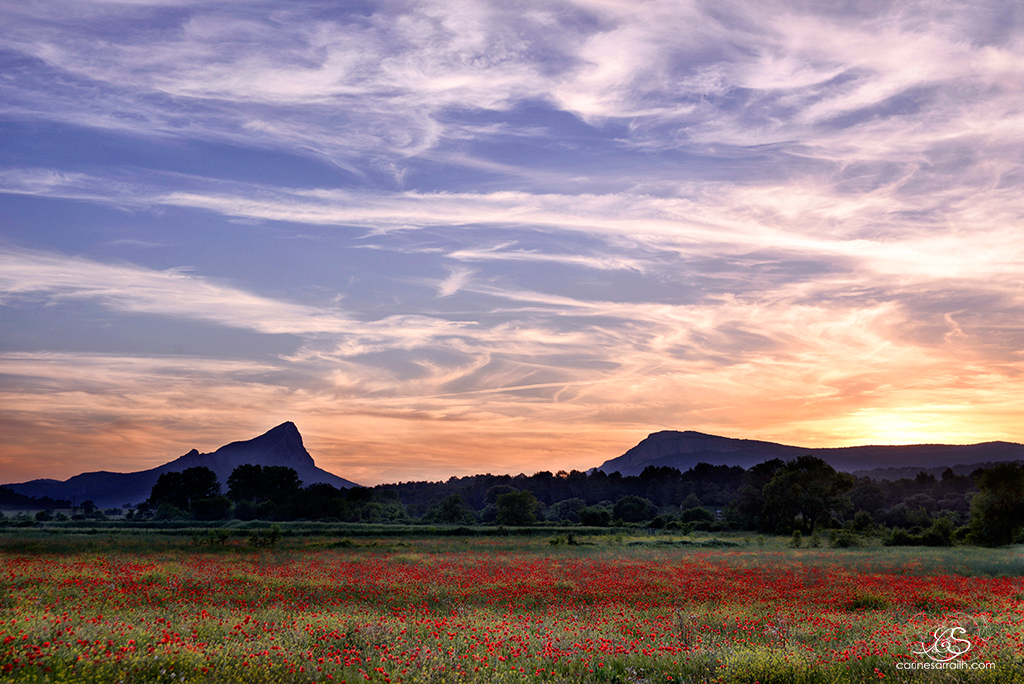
(10,499)
(683,450)
(281,446)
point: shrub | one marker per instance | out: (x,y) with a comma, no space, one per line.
(842,539)
(267,537)
(697,514)
(863,521)
(595,516)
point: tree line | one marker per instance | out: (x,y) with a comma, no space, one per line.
(801,497)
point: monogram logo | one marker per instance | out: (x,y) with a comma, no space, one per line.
(945,639)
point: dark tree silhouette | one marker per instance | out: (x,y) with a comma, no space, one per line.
(633,508)
(244,483)
(997,511)
(805,492)
(451,511)
(183,489)
(517,508)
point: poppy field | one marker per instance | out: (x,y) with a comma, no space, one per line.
(505,610)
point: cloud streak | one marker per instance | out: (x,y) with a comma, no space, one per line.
(554,226)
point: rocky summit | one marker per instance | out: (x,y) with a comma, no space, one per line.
(280,446)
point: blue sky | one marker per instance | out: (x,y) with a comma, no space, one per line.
(459,237)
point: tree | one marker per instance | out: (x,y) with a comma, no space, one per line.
(169,489)
(451,511)
(517,508)
(212,508)
(201,483)
(280,485)
(566,509)
(997,511)
(497,490)
(183,489)
(321,500)
(747,509)
(633,508)
(276,484)
(804,493)
(867,497)
(244,483)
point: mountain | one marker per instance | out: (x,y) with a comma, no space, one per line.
(12,500)
(281,446)
(683,450)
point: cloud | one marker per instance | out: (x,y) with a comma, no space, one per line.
(789,70)
(499,253)
(531,221)
(454,282)
(131,289)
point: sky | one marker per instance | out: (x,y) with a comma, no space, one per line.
(458,237)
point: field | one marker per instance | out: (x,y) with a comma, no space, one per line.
(145,608)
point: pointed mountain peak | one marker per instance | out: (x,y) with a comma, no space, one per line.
(283,441)
(285,434)
(279,446)
(286,429)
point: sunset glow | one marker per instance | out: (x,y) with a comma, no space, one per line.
(447,238)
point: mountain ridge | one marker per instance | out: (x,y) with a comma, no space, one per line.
(684,449)
(281,445)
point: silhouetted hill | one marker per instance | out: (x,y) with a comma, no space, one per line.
(281,446)
(910,472)
(683,450)
(9,499)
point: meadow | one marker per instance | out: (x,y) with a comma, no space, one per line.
(107,607)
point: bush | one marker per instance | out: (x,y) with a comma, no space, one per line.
(595,516)
(488,513)
(569,540)
(697,514)
(267,537)
(941,533)
(164,511)
(842,539)
(863,522)
(212,537)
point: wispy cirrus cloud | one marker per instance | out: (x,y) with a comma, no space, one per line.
(379,83)
(555,223)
